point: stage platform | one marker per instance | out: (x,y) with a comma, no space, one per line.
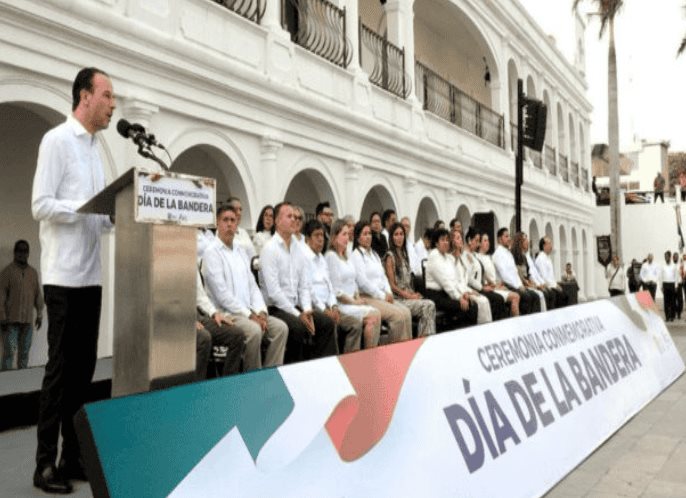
(645,458)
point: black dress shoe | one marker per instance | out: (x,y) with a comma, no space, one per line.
(50,481)
(71,470)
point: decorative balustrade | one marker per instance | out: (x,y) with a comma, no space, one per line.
(584,179)
(442,98)
(549,159)
(318,26)
(564,168)
(384,62)
(574,173)
(252,10)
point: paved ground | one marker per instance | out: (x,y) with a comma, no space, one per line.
(645,458)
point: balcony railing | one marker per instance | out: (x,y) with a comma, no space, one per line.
(318,26)
(384,62)
(562,164)
(574,173)
(584,179)
(442,98)
(252,10)
(549,159)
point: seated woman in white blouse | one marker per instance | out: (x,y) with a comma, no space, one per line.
(374,287)
(484,314)
(442,284)
(263,229)
(342,274)
(490,276)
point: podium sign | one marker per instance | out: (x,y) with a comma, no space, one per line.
(174,198)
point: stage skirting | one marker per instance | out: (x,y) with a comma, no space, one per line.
(504,409)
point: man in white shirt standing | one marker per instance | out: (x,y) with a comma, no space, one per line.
(69,173)
(287,290)
(507,273)
(415,262)
(668,276)
(649,275)
(242,236)
(233,290)
(544,265)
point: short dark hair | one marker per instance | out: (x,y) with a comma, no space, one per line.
(372,215)
(277,210)
(438,223)
(502,231)
(541,243)
(311,226)
(232,199)
(472,232)
(437,235)
(222,208)
(454,222)
(387,216)
(83,81)
(320,207)
(21,242)
(427,233)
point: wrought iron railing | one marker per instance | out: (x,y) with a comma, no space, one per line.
(383,61)
(318,26)
(574,173)
(549,159)
(442,98)
(562,164)
(252,10)
(584,179)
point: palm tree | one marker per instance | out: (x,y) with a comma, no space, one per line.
(607,10)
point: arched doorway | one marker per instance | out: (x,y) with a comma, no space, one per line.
(307,189)
(534,238)
(209,161)
(22,126)
(465,217)
(377,199)
(427,214)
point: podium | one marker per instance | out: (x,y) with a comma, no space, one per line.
(155,268)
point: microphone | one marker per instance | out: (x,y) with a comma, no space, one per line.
(133,131)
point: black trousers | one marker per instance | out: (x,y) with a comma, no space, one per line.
(73,325)
(661,195)
(650,287)
(679,300)
(499,309)
(452,308)
(615,292)
(528,301)
(669,294)
(301,345)
(222,335)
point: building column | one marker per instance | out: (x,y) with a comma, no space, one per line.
(410,187)
(353,172)
(141,112)
(269,149)
(352,34)
(272,15)
(400,25)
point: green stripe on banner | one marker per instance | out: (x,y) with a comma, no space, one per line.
(175,428)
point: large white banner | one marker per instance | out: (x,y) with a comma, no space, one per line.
(504,409)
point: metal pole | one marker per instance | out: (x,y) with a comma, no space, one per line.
(519,172)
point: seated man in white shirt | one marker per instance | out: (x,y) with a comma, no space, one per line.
(537,281)
(544,265)
(324,299)
(506,270)
(286,286)
(232,288)
(242,236)
(215,328)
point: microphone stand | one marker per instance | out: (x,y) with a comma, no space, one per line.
(145,151)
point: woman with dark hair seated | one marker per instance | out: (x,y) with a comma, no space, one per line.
(264,228)
(374,287)
(442,282)
(399,276)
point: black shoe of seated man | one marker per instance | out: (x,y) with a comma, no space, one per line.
(71,470)
(50,481)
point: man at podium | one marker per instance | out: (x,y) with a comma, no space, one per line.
(69,173)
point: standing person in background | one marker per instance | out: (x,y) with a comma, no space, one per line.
(659,186)
(379,244)
(264,228)
(649,275)
(632,277)
(19,294)
(679,297)
(298,235)
(668,276)
(324,214)
(614,273)
(69,173)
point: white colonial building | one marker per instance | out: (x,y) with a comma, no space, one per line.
(405,105)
